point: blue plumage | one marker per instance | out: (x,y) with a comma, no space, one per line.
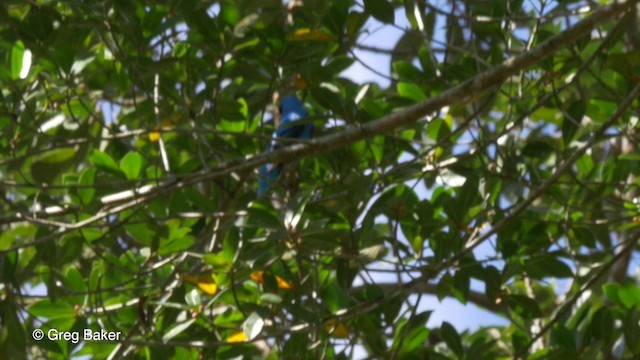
(292,126)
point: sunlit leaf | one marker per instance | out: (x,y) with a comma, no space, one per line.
(178,329)
(131,165)
(238,337)
(17,57)
(411,91)
(252,326)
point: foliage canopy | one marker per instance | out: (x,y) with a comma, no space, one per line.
(498,162)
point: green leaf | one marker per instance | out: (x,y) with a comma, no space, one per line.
(629,295)
(538,150)
(131,165)
(137,225)
(439,128)
(355,22)
(52,310)
(328,97)
(339,64)
(564,337)
(585,164)
(427,61)
(493,282)
(91,234)
(601,326)
(46,167)
(407,71)
(322,239)
(382,10)
(263,218)
(104,162)
(445,286)
(17,234)
(629,157)
(75,281)
(297,344)
(60,324)
(17,56)
(270,298)
(217,260)
(631,330)
(177,239)
(180,49)
(461,286)
(519,339)
(524,306)
(337,16)
(452,338)
(412,334)
(571,122)
(547,265)
(231,245)
(13,328)
(620,63)
(611,291)
(86,189)
(411,91)
(72,247)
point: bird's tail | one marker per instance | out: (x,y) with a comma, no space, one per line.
(267,176)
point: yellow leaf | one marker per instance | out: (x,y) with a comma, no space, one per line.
(336,328)
(306,34)
(282,284)
(203,282)
(164,124)
(258,276)
(237,337)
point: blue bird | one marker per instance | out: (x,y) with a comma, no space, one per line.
(290,127)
